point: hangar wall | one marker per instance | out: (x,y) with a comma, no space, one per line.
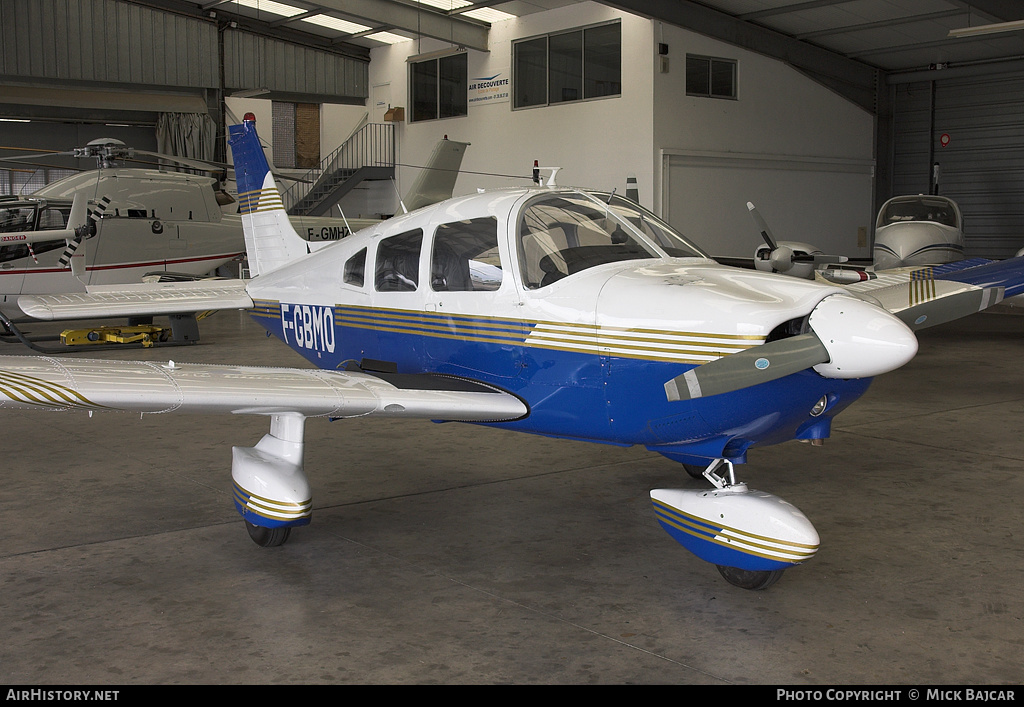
(971,125)
(799,150)
(596,142)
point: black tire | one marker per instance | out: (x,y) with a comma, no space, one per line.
(750,579)
(696,472)
(267,537)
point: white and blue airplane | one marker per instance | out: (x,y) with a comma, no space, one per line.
(555,311)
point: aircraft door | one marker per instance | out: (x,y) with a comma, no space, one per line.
(468,302)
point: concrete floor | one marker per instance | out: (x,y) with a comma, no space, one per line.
(460,554)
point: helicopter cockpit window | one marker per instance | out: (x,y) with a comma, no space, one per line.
(17,219)
(465,256)
(54,218)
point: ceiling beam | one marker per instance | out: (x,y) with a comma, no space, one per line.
(855,80)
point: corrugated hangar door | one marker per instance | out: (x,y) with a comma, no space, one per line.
(973,128)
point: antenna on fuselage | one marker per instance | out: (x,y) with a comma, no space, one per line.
(399,195)
(342,212)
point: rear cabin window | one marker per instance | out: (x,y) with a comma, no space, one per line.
(465,257)
(354,268)
(398,262)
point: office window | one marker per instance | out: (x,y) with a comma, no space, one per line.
(710,77)
(440,87)
(568,66)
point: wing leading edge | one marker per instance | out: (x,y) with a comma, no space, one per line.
(36,382)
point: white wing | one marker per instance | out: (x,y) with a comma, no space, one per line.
(145,299)
(35,382)
(921,301)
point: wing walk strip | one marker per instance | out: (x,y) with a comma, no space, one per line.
(34,391)
(647,344)
(734,539)
(922,286)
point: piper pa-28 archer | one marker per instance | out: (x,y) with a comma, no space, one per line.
(596,321)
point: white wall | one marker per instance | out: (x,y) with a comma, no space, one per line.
(596,143)
(801,153)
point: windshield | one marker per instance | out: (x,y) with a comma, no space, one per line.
(564,233)
(918,208)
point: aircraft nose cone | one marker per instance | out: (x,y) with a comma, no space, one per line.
(862,339)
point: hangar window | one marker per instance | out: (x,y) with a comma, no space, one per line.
(354,268)
(710,77)
(465,256)
(398,262)
(568,66)
(439,87)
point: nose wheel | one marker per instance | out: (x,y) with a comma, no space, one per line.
(267,537)
(750,579)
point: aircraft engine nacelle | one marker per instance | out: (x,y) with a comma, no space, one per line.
(790,258)
(737,527)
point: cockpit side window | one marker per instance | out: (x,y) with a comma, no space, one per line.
(398,262)
(465,256)
(354,268)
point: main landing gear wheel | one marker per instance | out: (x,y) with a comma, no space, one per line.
(750,579)
(696,472)
(267,537)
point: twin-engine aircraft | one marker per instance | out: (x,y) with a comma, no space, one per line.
(555,311)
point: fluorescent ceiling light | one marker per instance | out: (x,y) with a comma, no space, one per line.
(274,8)
(488,14)
(445,4)
(987,29)
(334,23)
(388,37)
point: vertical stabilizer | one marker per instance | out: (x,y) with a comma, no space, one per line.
(270,240)
(437,180)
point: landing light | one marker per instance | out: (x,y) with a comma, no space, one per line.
(819,407)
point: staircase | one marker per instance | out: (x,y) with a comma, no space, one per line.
(368,154)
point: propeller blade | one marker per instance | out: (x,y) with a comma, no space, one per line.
(848,338)
(759,364)
(762,226)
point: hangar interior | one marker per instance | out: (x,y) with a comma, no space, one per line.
(464,554)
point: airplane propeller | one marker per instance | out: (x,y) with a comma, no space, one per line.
(798,259)
(846,338)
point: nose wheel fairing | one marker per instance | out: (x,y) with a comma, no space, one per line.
(735,527)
